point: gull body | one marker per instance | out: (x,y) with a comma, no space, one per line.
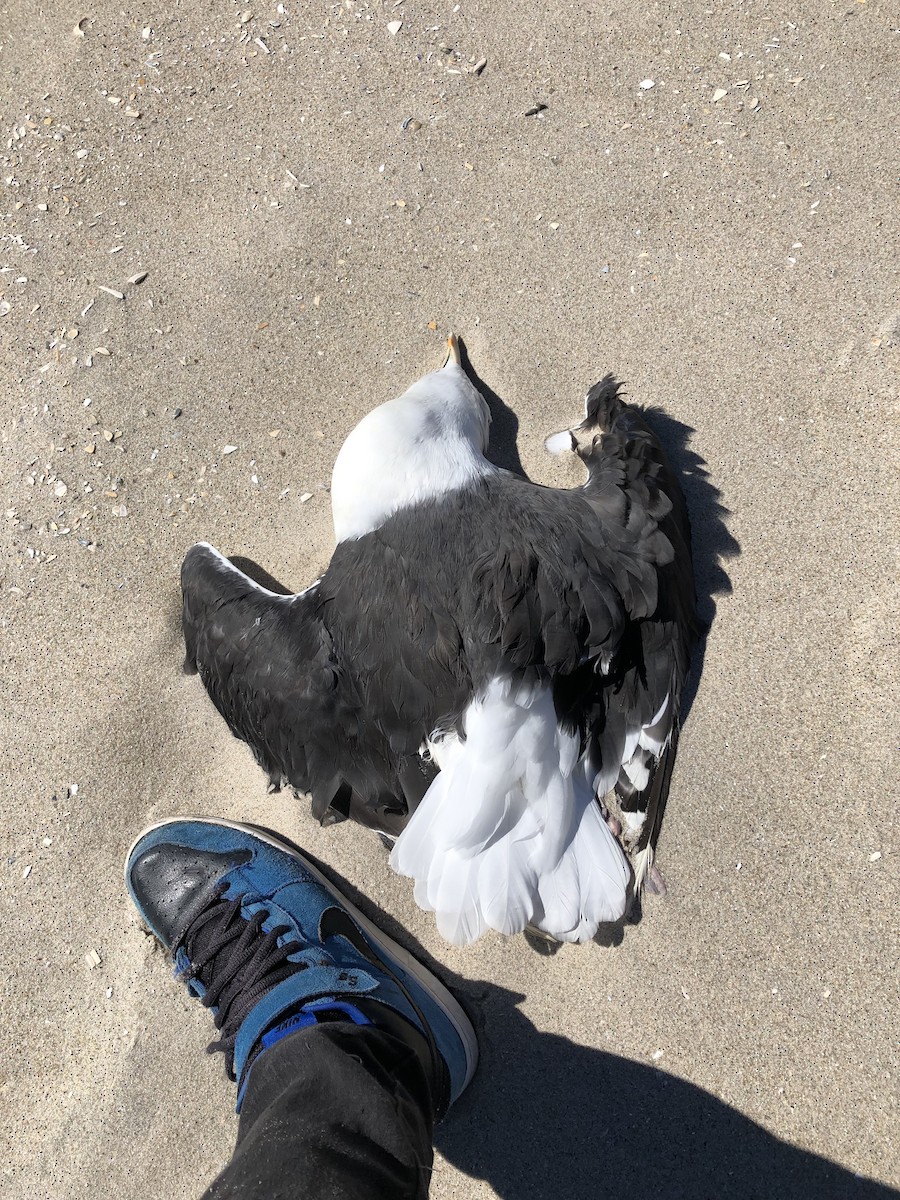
(482,662)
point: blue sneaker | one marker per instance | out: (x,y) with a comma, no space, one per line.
(266,942)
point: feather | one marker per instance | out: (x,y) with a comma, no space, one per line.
(509,829)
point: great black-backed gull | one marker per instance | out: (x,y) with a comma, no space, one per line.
(530,642)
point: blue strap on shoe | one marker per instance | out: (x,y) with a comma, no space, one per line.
(317,982)
(308,1015)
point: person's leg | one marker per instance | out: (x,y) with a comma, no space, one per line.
(345,1048)
(335,1110)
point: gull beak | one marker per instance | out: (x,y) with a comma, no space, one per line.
(453,351)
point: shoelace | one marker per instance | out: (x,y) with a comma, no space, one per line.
(236,961)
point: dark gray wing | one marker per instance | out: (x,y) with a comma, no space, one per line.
(653,661)
(269,666)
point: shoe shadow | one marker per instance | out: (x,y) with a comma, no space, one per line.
(546,1117)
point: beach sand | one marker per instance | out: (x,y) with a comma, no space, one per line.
(315,201)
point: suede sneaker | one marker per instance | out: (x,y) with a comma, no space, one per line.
(269,945)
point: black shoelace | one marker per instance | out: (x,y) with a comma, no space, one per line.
(237,962)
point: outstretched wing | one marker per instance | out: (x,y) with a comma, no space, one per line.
(633,720)
(262,657)
(268,664)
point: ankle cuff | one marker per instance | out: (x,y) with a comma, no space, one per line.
(316,983)
(313,1013)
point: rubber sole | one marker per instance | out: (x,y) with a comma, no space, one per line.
(398,956)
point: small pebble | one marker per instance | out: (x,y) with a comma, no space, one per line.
(394,27)
(229,449)
(646,84)
(719,94)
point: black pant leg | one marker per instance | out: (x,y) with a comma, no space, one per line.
(333,1112)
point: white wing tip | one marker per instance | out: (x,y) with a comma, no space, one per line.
(560,443)
(641,864)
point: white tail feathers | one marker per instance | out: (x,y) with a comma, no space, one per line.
(509,833)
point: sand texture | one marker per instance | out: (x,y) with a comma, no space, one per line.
(315,200)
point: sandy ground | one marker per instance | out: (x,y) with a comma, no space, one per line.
(722,241)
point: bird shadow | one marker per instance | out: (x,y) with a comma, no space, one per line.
(547,1117)
(502,448)
(712,543)
(259,575)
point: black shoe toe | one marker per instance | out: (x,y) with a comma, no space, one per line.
(171,882)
